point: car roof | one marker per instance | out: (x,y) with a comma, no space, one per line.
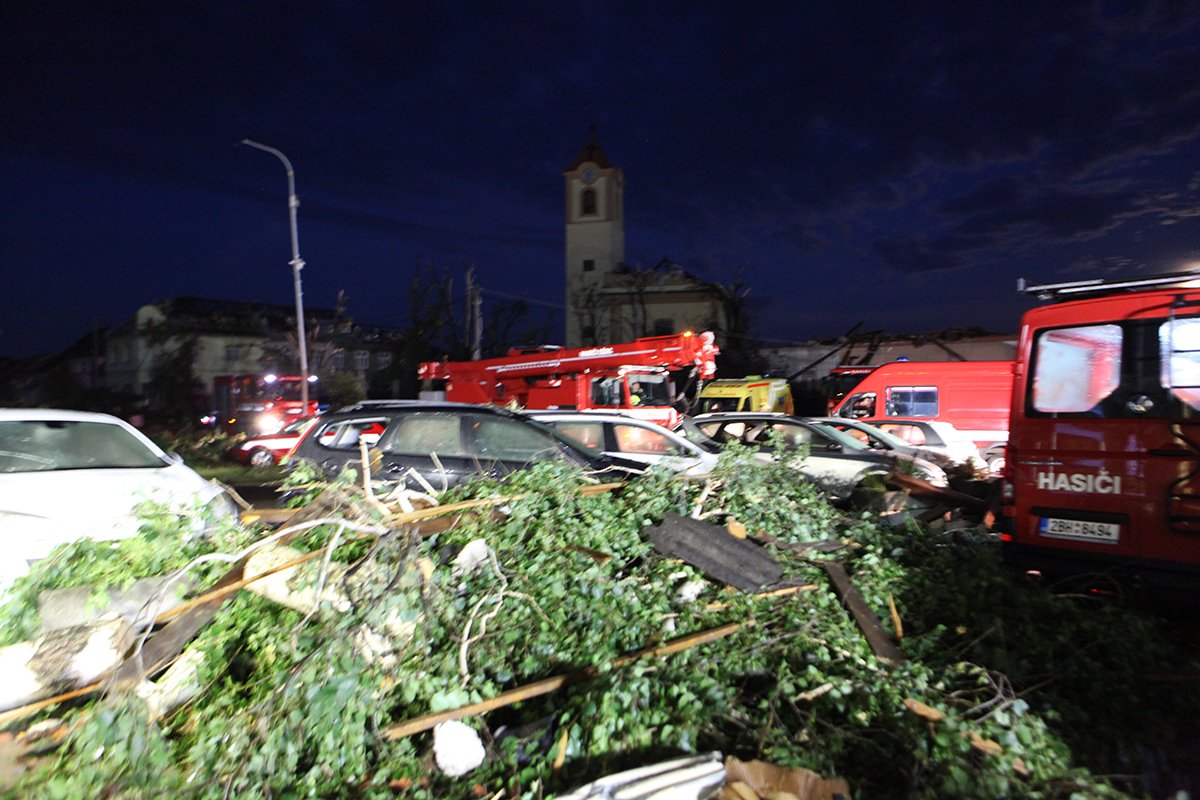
(734,416)
(417,405)
(56,414)
(596,416)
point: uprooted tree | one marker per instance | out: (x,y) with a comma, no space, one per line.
(539,613)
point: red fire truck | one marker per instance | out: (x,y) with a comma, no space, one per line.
(633,377)
(1103,467)
(260,403)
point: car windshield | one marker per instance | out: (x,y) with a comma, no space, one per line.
(45,445)
(847,441)
(859,433)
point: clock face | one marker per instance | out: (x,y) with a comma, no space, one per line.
(588,175)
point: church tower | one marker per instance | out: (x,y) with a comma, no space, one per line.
(595,238)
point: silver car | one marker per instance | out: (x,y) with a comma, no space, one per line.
(620,436)
(837,462)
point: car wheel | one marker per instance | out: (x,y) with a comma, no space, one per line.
(995,458)
(261,458)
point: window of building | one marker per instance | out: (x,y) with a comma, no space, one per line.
(233,353)
(383,359)
(338,361)
(362,359)
(589,201)
(589,264)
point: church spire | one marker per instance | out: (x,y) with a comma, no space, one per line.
(590,152)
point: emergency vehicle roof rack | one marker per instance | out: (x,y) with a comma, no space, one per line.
(1054,291)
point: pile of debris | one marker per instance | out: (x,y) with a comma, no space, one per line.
(523,639)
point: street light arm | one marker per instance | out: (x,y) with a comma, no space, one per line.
(296,262)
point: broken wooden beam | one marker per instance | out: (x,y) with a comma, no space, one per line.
(944,495)
(881,644)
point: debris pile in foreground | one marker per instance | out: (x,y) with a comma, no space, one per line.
(530,637)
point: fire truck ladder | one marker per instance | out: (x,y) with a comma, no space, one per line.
(1055,291)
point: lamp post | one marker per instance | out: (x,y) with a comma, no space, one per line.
(297,265)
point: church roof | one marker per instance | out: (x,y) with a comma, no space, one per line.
(590,152)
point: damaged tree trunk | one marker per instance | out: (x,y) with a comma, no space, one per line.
(61,660)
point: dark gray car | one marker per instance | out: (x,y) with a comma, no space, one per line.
(444,443)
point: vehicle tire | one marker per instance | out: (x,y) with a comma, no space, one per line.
(995,458)
(261,458)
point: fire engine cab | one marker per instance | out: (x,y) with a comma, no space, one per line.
(1103,470)
(257,404)
(632,377)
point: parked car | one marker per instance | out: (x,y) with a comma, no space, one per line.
(934,435)
(69,475)
(640,440)
(879,439)
(444,443)
(837,462)
(267,449)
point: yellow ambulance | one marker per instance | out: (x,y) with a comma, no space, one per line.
(752,393)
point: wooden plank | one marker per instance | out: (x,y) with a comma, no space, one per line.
(881,644)
(169,642)
(922,488)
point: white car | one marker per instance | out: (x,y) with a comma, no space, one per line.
(67,475)
(934,435)
(620,436)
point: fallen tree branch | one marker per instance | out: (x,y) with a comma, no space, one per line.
(549,685)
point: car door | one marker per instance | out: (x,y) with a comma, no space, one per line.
(837,466)
(501,444)
(430,444)
(646,445)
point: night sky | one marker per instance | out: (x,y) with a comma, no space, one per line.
(895,164)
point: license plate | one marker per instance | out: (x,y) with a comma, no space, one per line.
(1078,529)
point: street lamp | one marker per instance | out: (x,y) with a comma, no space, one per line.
(297,265)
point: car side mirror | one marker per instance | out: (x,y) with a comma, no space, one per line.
(175,458)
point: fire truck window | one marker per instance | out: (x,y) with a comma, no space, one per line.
(1179,344)
(1076,368)
(422,434)
(912,401)
(633,439)
(860,405)
(653,389)
(586,434)
(606,392)
(508,440)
